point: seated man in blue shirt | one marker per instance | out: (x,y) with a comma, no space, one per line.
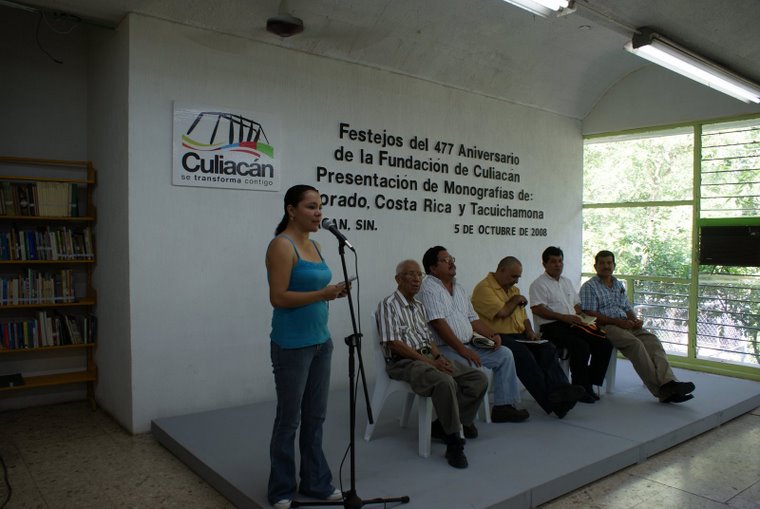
(603,296)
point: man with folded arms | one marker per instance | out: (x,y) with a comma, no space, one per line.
(499,304)
(453,321)
(412,356)
(603,296)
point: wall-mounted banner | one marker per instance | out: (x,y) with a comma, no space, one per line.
(228,148)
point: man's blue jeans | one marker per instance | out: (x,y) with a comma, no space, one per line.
(302,380)
(506,388)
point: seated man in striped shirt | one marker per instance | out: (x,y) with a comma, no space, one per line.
(412,356)
(453,322)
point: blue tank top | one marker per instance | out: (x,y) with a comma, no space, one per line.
(304,325)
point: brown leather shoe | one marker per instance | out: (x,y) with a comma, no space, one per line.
(508,413)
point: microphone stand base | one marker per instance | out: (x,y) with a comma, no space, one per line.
(351,501)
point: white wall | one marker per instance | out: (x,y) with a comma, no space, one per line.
(654,96)
(198,295)
(107,124)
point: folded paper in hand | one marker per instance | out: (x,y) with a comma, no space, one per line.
(482,341)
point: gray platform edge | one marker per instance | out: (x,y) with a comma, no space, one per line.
(197,465)
(531,496)
(636,454)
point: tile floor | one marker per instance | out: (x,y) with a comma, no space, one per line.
(70,457)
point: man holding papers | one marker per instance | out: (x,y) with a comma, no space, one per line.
(556,310)
(603,297)
(499,304)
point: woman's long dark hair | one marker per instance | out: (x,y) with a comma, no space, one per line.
(293,197)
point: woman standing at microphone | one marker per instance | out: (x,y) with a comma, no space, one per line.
(301,350)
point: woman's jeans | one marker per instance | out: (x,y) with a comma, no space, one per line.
(302,380)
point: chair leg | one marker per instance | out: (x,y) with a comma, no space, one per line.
(485,407)
(425,410)
(609,379)
(407,410)
(378,399)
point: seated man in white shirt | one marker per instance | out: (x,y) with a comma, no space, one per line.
(603,296)
(412,356)
(453,320)
(556,309)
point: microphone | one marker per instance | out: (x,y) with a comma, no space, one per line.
(332,226)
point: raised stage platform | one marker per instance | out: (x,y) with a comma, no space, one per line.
(511,465)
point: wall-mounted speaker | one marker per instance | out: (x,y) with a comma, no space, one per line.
(730,245)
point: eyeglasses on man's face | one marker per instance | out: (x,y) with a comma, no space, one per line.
(448,259)
(412,274)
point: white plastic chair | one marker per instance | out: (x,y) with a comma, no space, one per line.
(609,378)
(385,386)
(485,407)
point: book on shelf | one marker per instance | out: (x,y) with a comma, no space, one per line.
(46,244)
(37,287)
(46,329)
(51,199)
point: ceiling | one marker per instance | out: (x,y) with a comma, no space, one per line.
(563,65)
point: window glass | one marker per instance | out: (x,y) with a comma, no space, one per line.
(647,241)
(636,170)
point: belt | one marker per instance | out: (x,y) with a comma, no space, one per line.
(425,350)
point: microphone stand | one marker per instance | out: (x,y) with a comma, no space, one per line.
(351,499)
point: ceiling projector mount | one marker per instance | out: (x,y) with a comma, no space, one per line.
(284,24)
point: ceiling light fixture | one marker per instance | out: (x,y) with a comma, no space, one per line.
(545,8)
(658,49)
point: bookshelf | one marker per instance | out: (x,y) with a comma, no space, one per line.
(47,259)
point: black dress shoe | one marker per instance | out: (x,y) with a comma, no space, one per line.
(455,455)
(470,431)
(677,398)
(674,388)
(561,409)
(587,398)
(567,393)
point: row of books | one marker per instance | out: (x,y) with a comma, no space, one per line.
(46,244)
(47,330)
(48,199)
(37,287)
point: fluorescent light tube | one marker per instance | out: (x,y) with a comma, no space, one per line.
(661,51)
(543,8)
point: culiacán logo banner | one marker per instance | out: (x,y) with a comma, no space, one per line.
(214,147)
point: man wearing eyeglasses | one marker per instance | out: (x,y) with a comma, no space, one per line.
(412,356)
(498,302)
(604,297)
(453,321)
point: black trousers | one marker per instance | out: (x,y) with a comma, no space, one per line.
(589,355)
(537,368)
